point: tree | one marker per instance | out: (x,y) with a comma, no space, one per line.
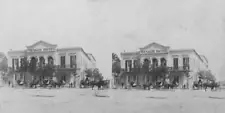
(206,75)
(47,70)
(145,66)
(115,57)
(97,75)
(89,73)
(32,65)
(4,64)
(24,65)
(116,65)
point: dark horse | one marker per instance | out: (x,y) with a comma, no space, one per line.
(197,84)
(100,84)
(57,84)
(34,83)
(84,83)
(147,86)
(212,85)
(170,85)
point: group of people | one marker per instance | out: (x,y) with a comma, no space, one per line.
(157,84)
(200,84)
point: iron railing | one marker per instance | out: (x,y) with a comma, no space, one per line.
(153,68)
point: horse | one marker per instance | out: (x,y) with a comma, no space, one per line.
(58,84)
(84,83)
(158,85)
(197,84)
(99,84)
(34,83)
(45,83)
(212,85)
(147,86)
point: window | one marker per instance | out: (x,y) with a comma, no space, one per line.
(73,61)
(135,63)
(63,61)
(185,63)
(17,63)
(130,65)
(13,64)
(175,63)
(126,63)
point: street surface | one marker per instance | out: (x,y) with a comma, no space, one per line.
(109,101)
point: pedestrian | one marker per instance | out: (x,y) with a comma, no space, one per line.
(9,83)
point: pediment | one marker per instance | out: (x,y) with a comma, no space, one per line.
(154,47)
(41,45)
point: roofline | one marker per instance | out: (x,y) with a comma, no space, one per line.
(92,56)
(198,55)
(85,53)
(55,45)
(155,43)
(205,58)
(16,51)
(193,50)
(70,48)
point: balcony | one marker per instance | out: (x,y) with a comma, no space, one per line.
(66,66)
(180,68)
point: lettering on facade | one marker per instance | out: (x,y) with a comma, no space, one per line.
(70,54)
(40,50)
(152,51)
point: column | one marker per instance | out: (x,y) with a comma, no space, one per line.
(159,61)
(37,57)
(126,79)
(10,62)
(28,59)
(150,64)
(180,61)
(169,61)
(123,64)
(19,59)
(46,59)
(57,57)
(132,65)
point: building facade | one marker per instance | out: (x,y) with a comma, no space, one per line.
(183,64)
(70,60)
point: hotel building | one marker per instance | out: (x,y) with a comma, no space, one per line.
(67,60)
(183,64)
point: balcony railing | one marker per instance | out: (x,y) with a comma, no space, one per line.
(66,66)
(180,68)
(152,69)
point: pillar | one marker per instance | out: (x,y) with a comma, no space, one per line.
(126,80)
(57,59)
(159,61)
(19,60)
(150,64)
(123,64)
(132,65)
(145,78)
(180,61)
(46,59)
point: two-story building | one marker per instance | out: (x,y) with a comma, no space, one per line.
(67,60)
(183,64)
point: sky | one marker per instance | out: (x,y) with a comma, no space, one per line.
(105,26)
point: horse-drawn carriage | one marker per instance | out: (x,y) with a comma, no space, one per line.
(101,84)
(205,85)
(46,83)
